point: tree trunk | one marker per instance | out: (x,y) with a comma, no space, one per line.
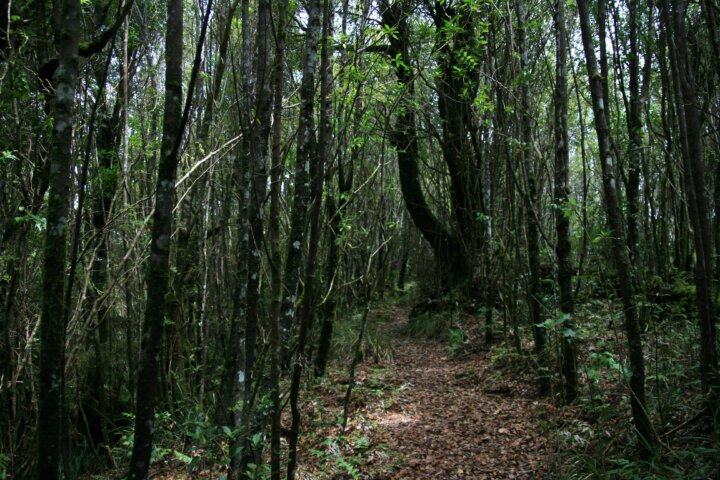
(275,255)
(694,167)
(634,126)
(175,119)
(531,216)
(159,261)
(598,84)
(260,131)
(66,27)
(306,163)
(301,195)
(446,248)
(457,87)
(562,214)
(334,211)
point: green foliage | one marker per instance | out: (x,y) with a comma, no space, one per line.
(7,156)
(258,472)
(193,442)
(595,443)
(38,221)
(456,342)
(4,466)
(430,324)
(503,357)
(343,455)
(375,342)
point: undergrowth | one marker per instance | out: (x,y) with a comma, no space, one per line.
(375,345)
(336,453)
(594,437)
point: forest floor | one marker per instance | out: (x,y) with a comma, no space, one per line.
(419,411)
(423,413)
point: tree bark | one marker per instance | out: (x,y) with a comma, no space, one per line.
(562,214)
(301,195)
(305,164)
(694,167)
(531,216)
(334,211)
(634,126)
(598,85)
(175,119)
(159,262)
(446,248)
(457,88)
(274,236)
(260,132)
(66,27)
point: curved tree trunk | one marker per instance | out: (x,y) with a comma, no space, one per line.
(447,250)
(457,85)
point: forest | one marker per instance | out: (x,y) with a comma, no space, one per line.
(359,239)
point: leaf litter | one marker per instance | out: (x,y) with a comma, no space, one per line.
(439,418)
(419,414)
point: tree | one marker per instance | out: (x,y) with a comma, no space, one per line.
(159,261)
(690,127)
(306,163)
(260,132)
(274,238)
(562,217)
(598,87)
(527,160)
(404,138)
(66,28)
(174,121)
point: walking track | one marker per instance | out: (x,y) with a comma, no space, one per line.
(450,419)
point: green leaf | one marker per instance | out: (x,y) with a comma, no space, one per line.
(569,333)
(182,457)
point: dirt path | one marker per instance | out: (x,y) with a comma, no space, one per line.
(454,419)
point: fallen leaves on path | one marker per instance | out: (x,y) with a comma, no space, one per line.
(457,429)
(450,419)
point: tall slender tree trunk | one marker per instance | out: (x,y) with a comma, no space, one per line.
(260,132)
(159,261)
(598,86)
(694,166)
(66,27)
(274,237)
(306,165)
(634,125)
(333,212)
(533,237)
(301,195)
(102,193)
(562,217)
(175,119)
